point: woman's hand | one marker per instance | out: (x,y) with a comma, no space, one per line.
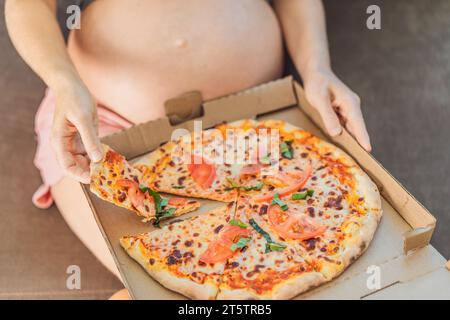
(74,132)
(336,104)
(304,29)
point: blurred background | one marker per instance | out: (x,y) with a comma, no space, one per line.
(401,72)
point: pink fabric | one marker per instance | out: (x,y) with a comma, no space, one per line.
(45,159)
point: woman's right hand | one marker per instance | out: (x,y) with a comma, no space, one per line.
(74,133)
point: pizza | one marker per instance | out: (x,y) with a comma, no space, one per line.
(115,180)
(299,211)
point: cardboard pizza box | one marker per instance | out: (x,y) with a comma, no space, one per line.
(399,263)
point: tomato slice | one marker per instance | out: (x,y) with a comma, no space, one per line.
(276,215)
(294,185)
(216,252)
(231,234)
(294,226)
(220,249)
(202,172)
(177,202)
(136,196)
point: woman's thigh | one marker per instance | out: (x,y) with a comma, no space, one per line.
(74,208)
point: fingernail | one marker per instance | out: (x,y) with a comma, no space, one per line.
(96,156)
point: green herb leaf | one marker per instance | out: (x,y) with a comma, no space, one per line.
(258,187)
(178,187)
(260,230)
(160,203)
(303,195)
(270,244)
(235,185)
(240,244)
(239,223)
(286,149)
(276,200)
(273,246)
(164,202)
(299,196)
(167,214)
(143,188)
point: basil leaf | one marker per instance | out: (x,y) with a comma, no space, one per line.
(286,149)
(178,187)
(143,188)
(299,196)
(238,223)
(164,202)
(167,214)
(260,230)
(258,187)
(273,246)
(270,244)
(235,185)
(276,200)
(240,244)
(303,195)
(160,203)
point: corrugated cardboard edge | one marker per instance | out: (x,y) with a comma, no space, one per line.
(414,213)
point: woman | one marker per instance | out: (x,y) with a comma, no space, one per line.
(129,57)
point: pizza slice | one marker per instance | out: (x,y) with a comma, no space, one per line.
(181,255)
(113,179)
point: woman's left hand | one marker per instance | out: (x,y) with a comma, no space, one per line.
(336,104)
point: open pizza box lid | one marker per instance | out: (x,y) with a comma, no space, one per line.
(399,263)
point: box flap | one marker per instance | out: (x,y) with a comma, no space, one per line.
(391,272)
(429,286)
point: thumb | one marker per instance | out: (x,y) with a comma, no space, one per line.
(91,141)
(323,105)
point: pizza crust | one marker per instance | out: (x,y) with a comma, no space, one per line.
(286,290)
(189,288)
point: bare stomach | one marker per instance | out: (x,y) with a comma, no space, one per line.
(134,56)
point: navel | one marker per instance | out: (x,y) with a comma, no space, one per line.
(181,43)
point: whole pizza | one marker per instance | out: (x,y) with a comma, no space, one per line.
(296,212)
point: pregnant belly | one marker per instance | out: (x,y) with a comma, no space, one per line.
(134,56)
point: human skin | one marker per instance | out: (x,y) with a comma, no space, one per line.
(133,57)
